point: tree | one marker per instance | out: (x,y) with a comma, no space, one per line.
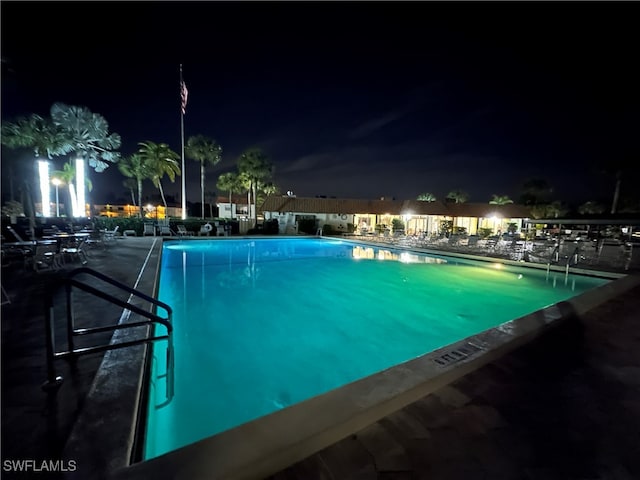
(427,197)
(161,161)
(623,166)
(535,191)
(556,209)
(256,168)
(210,195)
(591,208)
(89,138)
(136,169)
(70,129)
(500,200)
(87,134)
(458,196)
(265,189)
(67,175)
(205,151)
(230,182)
(131,185)
(44,138)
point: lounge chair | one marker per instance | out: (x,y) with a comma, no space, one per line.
(183,232)
(149,229)
(111,234)
(166,230)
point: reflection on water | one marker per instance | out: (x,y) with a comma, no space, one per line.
(369,253)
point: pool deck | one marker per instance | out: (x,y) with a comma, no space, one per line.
(566,406)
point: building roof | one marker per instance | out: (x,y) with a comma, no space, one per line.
(277,203)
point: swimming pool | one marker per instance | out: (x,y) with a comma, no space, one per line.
(264,324)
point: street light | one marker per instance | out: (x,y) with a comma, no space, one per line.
(57,182)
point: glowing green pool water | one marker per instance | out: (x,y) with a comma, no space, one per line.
(263,324)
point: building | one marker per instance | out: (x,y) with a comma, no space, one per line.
(416,217)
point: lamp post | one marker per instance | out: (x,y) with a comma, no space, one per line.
(57,182)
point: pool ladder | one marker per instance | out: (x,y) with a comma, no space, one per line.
(55,381)
(555,258)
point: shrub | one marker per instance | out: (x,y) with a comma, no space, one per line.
(307,225)
(397,224)
(485,232)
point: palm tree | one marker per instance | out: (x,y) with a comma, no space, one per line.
(500,200)
(88,135)
(623,166)
(210,195)
(44,138)
(256,168)
(458,196)
(131,185)
(203,150)
(535,191)
(427,197)
(67,175)
(161,161)
(265,189)
(230,182)
(136,169)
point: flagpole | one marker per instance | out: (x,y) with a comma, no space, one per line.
(184,177)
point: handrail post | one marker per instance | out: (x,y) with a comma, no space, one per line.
(53,382)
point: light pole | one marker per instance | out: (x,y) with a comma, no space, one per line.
(57,182)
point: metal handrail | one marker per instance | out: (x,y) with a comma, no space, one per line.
(555,257)
(54,381)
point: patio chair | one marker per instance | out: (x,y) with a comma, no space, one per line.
(74,250)
(15,234)
(111,234)
(183,232)
(97,238)
(45,255)
(149,229)
(166,230)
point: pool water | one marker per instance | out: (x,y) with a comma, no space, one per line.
(262,324)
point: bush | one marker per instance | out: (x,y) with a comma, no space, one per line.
(397,224)
(307,225)
(327,229)
(485,232)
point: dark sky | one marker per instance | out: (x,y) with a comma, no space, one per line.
(360,100)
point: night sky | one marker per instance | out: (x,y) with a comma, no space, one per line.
(355,100)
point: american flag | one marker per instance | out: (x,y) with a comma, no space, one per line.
(184,93)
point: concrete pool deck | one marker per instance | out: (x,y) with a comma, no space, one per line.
(564,406)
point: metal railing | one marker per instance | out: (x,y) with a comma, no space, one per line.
(54,381)
(555,258)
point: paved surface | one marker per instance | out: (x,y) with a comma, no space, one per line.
(564,407)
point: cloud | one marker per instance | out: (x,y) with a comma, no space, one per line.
(374,124)
(413,101)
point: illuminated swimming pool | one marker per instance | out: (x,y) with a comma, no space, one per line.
(263,324)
